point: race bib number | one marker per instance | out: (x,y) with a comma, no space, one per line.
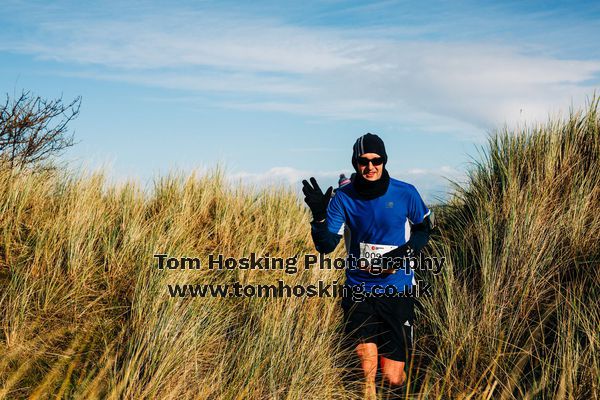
(372,251)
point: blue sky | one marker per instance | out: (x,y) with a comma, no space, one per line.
(278,91)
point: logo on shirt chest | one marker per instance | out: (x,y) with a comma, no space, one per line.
(389,204)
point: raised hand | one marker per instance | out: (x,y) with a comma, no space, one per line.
(316,200)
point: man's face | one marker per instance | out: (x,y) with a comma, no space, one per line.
(369,171)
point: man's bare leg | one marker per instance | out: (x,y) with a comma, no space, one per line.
(367,352)
(393,373)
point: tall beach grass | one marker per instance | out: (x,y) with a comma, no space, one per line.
(85,313)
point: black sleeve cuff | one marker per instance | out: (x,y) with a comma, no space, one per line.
(420,234)
(324,240)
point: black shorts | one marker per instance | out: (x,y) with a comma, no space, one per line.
(385,321)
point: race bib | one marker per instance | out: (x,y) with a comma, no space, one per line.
(372,251)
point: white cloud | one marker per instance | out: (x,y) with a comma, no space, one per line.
(456,87)
(176,39)
(432,184)
(417,171)
(286,175)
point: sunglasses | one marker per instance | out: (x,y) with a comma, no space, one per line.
(365,161)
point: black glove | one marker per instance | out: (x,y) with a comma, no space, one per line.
(393,259)
(316,200)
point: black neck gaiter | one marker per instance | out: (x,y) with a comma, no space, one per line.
(369,190)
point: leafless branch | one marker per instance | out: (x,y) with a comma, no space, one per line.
(33,129)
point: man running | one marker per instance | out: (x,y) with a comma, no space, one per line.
(383,219)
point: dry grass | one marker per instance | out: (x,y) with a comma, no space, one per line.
(516,314)
(86,314)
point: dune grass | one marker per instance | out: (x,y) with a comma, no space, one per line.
(85,313)
(516,314)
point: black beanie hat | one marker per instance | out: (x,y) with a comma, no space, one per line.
(368,143)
